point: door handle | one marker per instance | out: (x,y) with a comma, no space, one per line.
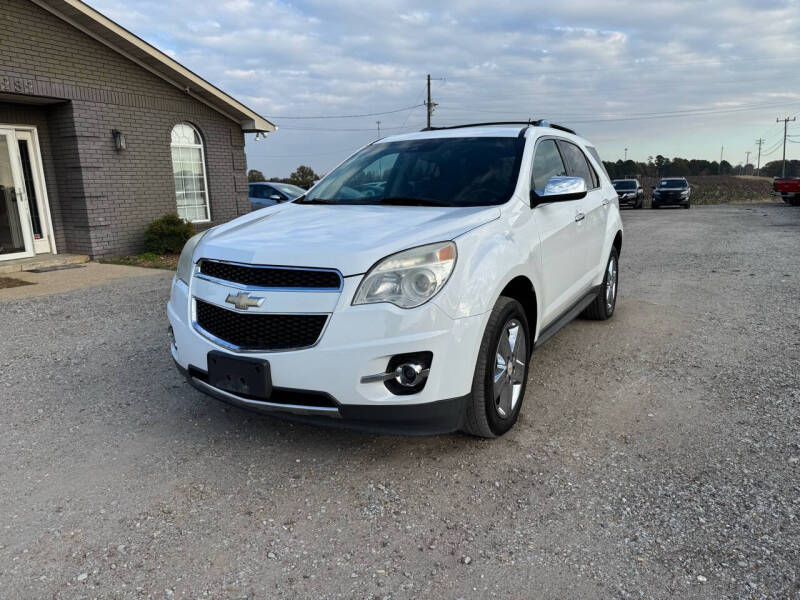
(579,217)
(606,201)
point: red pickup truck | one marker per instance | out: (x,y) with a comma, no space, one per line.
(787,188)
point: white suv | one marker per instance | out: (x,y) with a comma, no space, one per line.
(406,291)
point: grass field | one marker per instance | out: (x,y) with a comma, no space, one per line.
(721,189)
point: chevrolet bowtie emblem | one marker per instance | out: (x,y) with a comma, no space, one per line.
(243,300)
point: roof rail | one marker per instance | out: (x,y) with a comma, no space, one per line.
(535,123)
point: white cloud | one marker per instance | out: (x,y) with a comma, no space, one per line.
(565,61)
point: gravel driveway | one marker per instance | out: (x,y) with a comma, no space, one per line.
(657,455)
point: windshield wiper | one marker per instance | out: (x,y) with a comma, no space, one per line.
(304,200)
(410,201)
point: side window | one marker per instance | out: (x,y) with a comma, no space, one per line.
(577,165)
(547,163)
(593,151)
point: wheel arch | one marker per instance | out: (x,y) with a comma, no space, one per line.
(521,289)
(617,243)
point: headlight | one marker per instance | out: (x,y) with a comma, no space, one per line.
(685,193)
(409,278)
(185,261)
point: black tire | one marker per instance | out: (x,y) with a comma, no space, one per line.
(484,417)
(687,206)
(599,309)
(653,205)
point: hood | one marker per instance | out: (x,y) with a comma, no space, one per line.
(348,238)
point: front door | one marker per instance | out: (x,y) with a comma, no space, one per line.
(560,228)
(16,235)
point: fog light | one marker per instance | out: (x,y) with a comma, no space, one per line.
(410,374)
(405,374)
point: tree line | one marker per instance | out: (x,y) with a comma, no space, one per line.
(661,166)
(656,166)
(304,177)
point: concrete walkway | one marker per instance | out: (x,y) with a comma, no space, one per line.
(88,275)
(41,261)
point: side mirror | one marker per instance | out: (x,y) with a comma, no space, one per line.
(652,188)
(276,198)
(560,189)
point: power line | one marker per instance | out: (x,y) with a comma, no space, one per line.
(374,114)
(678,114)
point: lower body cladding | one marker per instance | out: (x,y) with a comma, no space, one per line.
(375,367)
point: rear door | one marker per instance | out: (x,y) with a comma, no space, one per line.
(592,226)
(562,267)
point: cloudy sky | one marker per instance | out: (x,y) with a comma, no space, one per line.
(679,78)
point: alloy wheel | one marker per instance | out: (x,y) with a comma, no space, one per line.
(509,371)
(611,285)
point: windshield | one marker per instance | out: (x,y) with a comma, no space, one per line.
(624,185)
(476,171)
(672,183)
(290,190)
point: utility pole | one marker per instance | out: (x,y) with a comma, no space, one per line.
(746,160)
(429,104)
(759,141)
(721,150)
(379,129)
(626,154)
(785,127)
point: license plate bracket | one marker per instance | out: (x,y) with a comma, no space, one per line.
(243,376)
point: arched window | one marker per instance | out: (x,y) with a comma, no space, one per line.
(189,170)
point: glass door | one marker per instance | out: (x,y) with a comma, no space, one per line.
(15,231)
(30,169)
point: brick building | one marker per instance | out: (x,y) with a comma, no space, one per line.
(100,133)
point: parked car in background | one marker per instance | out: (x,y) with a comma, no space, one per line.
(672,191)
(787,188)
(270,193)
(407,289)
(629,192)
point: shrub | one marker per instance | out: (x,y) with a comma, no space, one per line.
(167,235)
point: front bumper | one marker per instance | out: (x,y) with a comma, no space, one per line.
(670,201)
(357,341)
(431,418)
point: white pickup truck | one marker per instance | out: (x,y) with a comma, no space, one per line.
(406,291)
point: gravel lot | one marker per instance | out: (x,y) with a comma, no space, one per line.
(657,455)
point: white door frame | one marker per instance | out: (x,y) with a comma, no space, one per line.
(30,134)
(20,202)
